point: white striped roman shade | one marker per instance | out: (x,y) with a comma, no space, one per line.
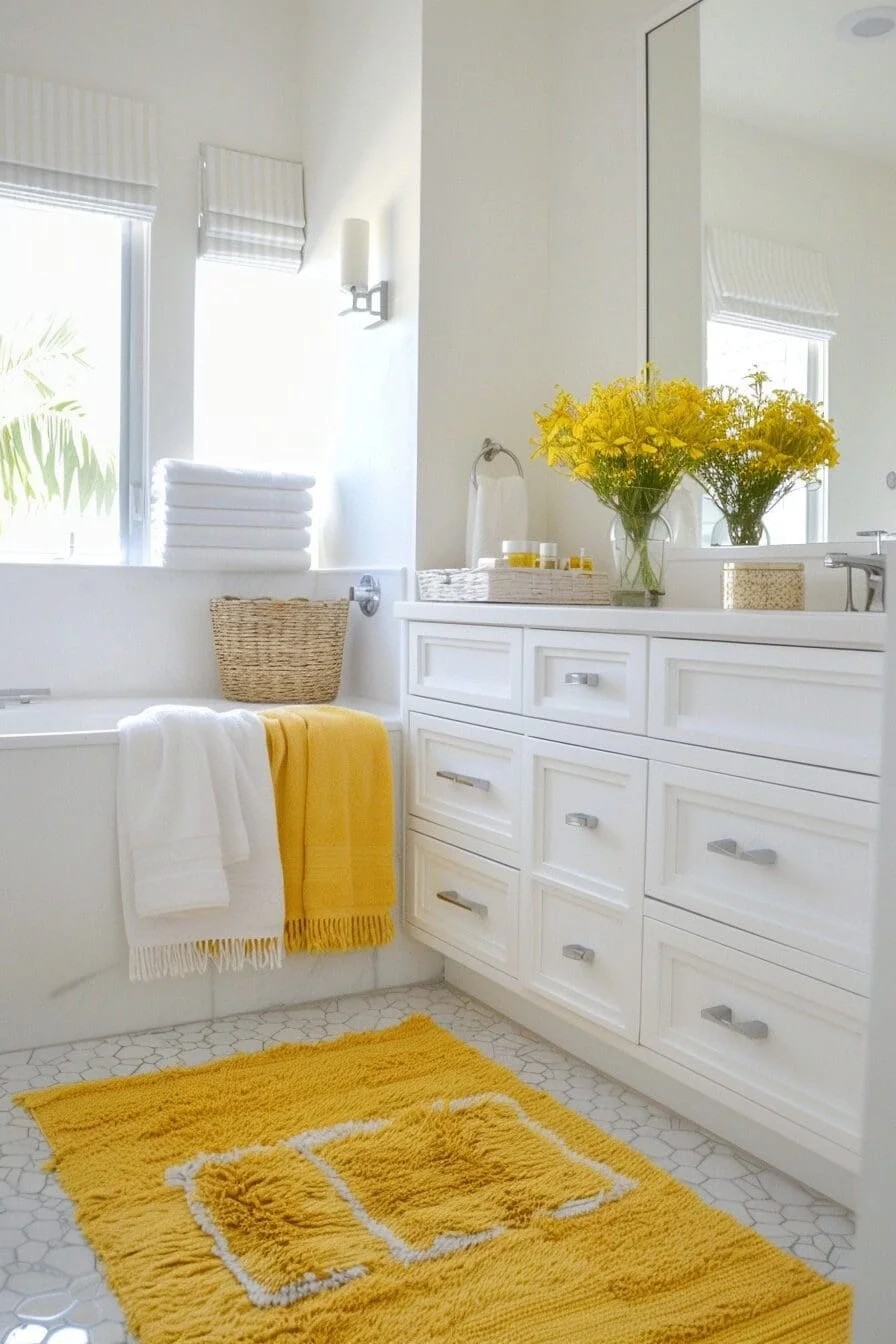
(755,282)
(77,148)
(253,209)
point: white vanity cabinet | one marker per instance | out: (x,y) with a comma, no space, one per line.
(661,844)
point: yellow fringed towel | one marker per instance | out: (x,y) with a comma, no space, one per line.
(332,775)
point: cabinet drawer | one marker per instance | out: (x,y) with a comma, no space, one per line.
(819,706)
(584,956)
(467,664)
(466,777)
(469,902)
(786,863)
(585,820)
(596,680)
(786,1041)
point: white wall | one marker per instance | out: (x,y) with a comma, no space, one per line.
(224,73)
(775,186)
(334,83)
(89,630)
(595,181)
(484,265)
(358,89)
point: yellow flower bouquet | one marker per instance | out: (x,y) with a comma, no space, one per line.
(771,444)
(632,441)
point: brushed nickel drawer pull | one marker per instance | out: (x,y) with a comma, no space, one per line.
(582,819)
(469,780)
(765,858)
(576,952)
(581,678)
(723,1016)
(455,898)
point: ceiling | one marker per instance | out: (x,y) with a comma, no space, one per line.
(781,64)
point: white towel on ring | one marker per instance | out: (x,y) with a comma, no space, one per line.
(497,510)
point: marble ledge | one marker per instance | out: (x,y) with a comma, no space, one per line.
(822,629)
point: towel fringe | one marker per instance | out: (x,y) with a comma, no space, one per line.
(226,954)
(338,933)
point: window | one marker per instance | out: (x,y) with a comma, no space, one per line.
(793,362)
(66,302)
(78,187)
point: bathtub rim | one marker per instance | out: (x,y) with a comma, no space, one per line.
(108,736)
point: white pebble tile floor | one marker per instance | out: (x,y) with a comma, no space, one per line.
(52,1291)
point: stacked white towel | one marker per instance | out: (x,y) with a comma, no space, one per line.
(207,517)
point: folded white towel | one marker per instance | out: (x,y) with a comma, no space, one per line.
(231,558)
(249,929)
(195,496)
(205,473)
(182,814)
(244,538)
(177,516)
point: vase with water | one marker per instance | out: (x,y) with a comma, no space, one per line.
(639,545)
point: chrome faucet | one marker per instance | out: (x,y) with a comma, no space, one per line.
(873,566)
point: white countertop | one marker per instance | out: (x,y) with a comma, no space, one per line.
(825,629)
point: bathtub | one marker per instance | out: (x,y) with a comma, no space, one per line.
(84,722)
(63,957)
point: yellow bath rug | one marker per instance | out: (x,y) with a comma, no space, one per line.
(396,1187)
(332,774)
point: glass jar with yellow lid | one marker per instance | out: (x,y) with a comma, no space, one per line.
(520,554)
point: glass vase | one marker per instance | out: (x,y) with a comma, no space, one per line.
(639,553)
(727,533)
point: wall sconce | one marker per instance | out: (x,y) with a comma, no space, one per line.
(354,259)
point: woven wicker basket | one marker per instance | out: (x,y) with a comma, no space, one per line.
(279,651)
(559,587)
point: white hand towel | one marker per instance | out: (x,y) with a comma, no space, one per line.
(182,819)
(249,929)
(246,538)
(196,496)
(497,510)
(205,473)
(175,515)
(231,559)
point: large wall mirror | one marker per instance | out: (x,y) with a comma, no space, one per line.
(772,230)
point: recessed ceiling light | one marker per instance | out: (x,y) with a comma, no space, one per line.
(879,21)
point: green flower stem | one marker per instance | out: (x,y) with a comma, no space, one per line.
(639,571)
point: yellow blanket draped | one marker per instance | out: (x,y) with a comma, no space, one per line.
(332,776)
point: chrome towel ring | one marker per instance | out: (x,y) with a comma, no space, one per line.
(487,452)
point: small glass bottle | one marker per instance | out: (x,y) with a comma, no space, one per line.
(547,555)
(581,562)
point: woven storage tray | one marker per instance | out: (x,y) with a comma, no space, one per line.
(562,587)
(271,650)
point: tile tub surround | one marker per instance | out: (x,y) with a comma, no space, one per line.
(129,630)
(49,1279)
